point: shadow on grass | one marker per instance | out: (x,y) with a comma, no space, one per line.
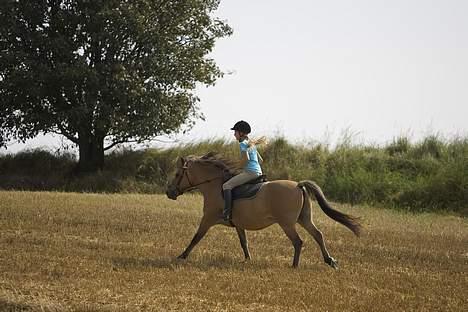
(208,263)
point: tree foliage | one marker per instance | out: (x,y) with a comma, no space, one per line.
(104,72)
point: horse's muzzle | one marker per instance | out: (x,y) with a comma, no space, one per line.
(172,193)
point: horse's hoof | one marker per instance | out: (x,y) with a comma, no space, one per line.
(332,262)
(182,257)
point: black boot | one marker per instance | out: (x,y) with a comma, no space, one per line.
(227,211)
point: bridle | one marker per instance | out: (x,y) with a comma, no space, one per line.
(191,185)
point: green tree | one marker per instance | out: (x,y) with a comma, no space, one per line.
(104,72)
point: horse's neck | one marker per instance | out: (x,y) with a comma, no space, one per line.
(211,191)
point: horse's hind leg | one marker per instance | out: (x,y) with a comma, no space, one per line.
(243,241)
(305,220)
(291,232)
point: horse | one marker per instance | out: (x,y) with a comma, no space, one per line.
(284,202)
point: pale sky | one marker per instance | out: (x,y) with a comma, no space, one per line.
(310,69)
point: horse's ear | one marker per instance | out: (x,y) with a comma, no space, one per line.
(181,161)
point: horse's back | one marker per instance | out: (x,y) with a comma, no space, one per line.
(278,201)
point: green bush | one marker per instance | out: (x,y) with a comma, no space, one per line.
(430,175)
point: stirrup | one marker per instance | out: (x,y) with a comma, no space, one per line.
(226,216)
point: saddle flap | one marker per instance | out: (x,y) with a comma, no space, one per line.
(249,188)
(246,190)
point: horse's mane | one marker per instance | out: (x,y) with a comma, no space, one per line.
(221,162)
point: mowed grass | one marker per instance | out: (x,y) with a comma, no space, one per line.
(88,252)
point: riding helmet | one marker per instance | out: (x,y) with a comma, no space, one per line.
(242,126)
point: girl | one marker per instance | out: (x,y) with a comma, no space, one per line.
(249,163)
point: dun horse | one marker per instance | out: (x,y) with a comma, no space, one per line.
(282,201)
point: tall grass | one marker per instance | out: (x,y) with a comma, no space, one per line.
(428,175)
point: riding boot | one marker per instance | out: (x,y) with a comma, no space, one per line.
(227,211)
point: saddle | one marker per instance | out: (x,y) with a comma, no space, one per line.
(249,189)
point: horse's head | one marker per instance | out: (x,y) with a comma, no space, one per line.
(180,182)
(192,172)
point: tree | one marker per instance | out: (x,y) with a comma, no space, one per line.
(104,72)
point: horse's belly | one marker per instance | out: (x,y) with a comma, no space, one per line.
(274,204)
(254,225)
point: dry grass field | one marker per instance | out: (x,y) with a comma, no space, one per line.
(88,252)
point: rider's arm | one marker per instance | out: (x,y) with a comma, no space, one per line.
(260,158)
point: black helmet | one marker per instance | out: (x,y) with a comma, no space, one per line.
(242,126)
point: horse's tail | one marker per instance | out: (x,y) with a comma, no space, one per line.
(350,222)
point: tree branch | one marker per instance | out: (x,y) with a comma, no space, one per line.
(66,134)
(119,142)
(136,141)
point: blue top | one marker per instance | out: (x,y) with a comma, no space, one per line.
(252,164)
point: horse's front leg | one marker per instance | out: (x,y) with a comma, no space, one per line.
(202,229)
(243,241)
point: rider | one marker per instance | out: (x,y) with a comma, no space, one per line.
(249,163)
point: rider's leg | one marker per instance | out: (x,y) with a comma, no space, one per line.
(237,180)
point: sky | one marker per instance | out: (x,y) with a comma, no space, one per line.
(313,70)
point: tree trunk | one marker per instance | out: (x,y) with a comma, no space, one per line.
(91,153)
